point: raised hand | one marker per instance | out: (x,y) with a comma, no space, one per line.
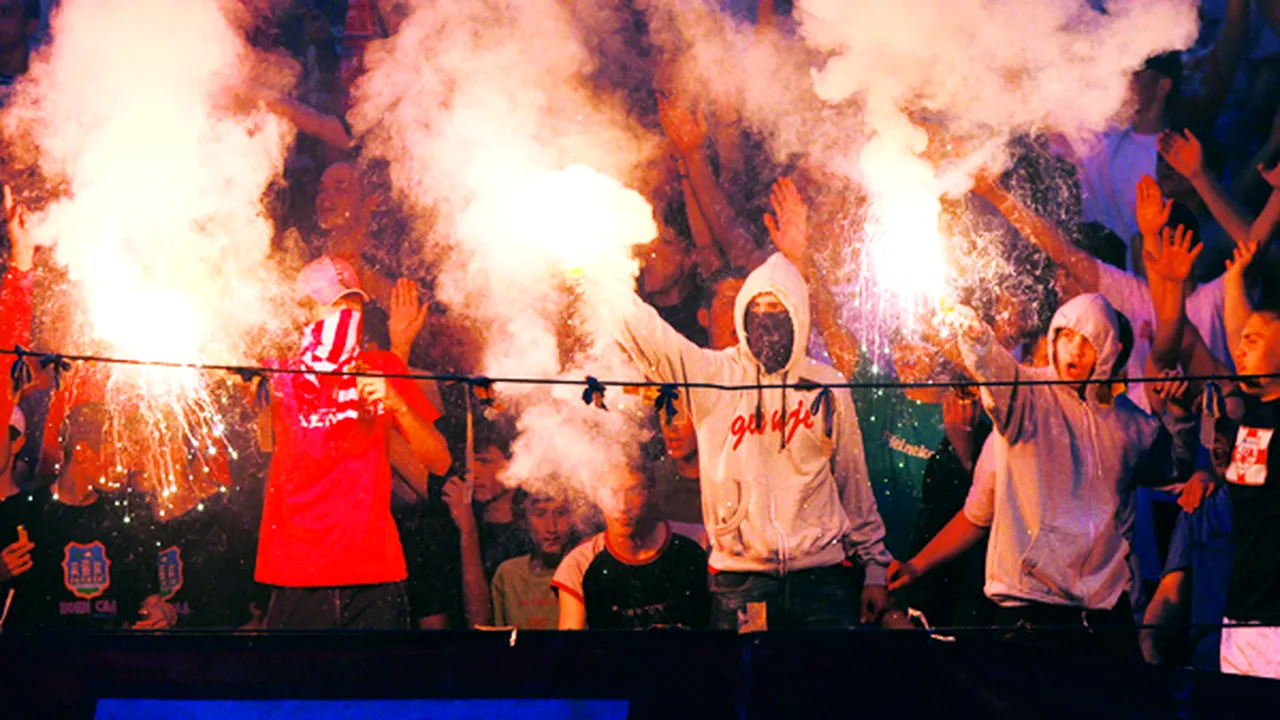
(1177,255)
(1153,208)
(1182,152)
(788,224)
(457,497)
(406,318)
(685,130)
(1241,258)
(22,246)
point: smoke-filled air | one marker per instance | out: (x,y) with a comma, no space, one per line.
(158,160)
(514,138)
(522,170)
(907,100)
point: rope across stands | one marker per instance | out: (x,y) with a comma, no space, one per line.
(594,393)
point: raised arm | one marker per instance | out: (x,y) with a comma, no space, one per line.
(406,317)
(328,128)
(428,444)
(17,285)
(984,359)
(1167,274)
(1047,236)
(476,600)
(1185,155)
(789,227)
(1265,225)
(688,132)
(1236,305)
(706,251)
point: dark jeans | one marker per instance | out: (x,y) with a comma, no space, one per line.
(359,607)
(1098,633)
(828,597)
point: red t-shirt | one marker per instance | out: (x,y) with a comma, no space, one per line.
(327,517)
(15,329)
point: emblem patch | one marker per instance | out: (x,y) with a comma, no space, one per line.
(86,569)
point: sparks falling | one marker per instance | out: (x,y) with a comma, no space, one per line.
(132,110)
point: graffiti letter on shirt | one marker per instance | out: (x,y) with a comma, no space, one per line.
(1249,460)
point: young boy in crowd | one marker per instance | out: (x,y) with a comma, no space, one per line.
(521,588)
(87,566)
(638,573)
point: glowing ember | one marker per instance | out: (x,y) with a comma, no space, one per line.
(161,227)
(575,218)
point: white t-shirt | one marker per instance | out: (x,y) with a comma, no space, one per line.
(1130,295)
(1109,181)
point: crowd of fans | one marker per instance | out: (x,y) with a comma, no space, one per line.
(1057,495)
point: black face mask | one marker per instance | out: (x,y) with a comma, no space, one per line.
(770,336)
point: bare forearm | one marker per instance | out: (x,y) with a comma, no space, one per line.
(708,253)
(1265,225)
(1166,607)
(841,343)
(958,536)
(725,225)
(426,441)
(407,465)
(1048,238)
(327,128)
(475,586)
(1236,308)
(1169,299)
(1221,207)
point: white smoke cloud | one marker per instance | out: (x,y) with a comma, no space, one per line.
(849,95)
(138,113)
(162,224)
(483,109)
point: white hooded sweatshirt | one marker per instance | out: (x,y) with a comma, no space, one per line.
(791,494)
(1060,500)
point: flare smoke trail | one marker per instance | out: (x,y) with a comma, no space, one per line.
(493,133)
(160,222)
(851,92)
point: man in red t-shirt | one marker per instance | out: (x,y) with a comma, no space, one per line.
(328,543)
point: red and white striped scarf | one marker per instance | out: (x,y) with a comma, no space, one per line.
(330,345)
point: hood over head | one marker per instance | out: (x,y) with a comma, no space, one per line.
(1094,318)
(777,276)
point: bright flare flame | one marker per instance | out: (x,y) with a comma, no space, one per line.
(161,228)
(577,219)
(905,250)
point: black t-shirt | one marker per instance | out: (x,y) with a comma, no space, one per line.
(670,590)
(89,567)
(1254,482)
(204,565)
(683,316)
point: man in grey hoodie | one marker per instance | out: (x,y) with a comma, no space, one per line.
(785,494)
(1059,503)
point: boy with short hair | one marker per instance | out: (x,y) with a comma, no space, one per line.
(521,588)
(638,573)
